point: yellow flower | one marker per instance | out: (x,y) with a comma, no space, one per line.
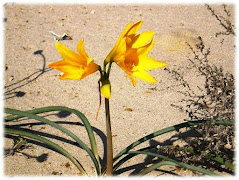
(130,53)
(106,89)
(74,66)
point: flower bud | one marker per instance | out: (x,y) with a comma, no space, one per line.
(106,89)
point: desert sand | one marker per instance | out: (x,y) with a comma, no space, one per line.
(135,111)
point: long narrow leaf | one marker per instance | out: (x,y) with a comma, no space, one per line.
(155,166)
(209,156)
(223,122)
(129,156)
(63,108)
(221,161)
(49,143)
(184,165)
(55,125)
(166,130)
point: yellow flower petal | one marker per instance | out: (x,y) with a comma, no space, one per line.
(143,51)
(73,72)
(132,79)
(89,60)
(69,55)
(135,28)
(142,39)
(59,63)
(144,76)
(65,68)
(91,68)
(110,56)
(81,50)
(74,75)
(129,73)
(120,51)
(149,63)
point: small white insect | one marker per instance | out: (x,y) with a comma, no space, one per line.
(61,37)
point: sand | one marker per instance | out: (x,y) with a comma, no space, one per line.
(29,49)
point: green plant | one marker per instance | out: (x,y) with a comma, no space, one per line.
(213,145)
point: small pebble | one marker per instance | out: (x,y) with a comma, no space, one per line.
(147,92)
(227,146)
(67,164)
(11,78)
(128,109)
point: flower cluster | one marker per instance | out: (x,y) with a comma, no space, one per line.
(129,53)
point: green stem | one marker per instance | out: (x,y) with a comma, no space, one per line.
(104,66)
(109,163)
(109,68)
(109,156)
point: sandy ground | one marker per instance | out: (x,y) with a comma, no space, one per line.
(29,48)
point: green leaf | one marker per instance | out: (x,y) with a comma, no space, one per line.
(155,166)
(221,161)
(49,143)
(180,164)
(63,108)
(129,156)
(30,114)
(166,130)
